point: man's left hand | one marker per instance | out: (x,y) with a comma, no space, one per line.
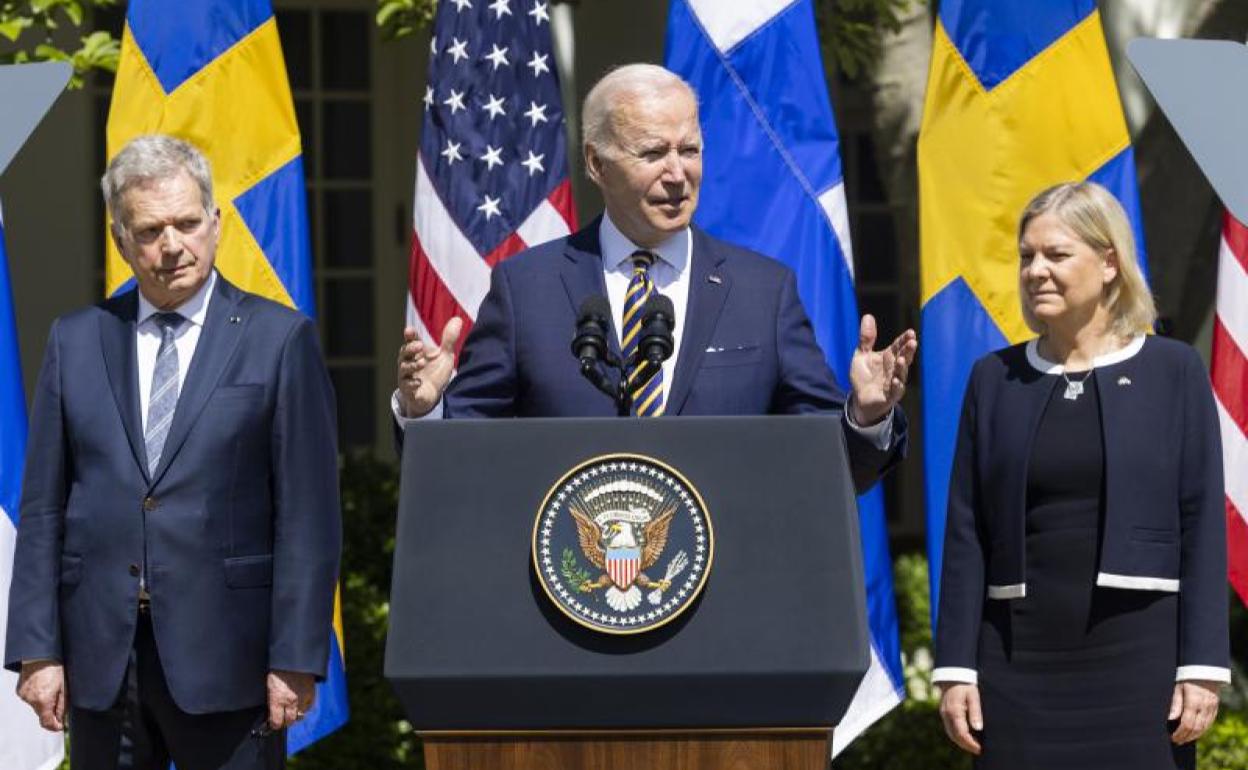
(878,378)
(291,694)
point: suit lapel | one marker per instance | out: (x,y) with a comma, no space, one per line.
(223,328)
(118,342)
(709,285)
(582,275)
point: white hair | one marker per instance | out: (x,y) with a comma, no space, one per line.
(628,81)
(150,158)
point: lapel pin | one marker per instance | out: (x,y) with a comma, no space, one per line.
(1124,380)
(712,278)
(235,319)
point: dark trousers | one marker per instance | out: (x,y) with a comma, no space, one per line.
(145,729)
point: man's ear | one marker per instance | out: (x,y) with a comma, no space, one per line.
(593,164)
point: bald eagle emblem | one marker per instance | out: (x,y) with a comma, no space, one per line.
(622,544)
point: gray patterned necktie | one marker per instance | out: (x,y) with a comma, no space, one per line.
(164,388)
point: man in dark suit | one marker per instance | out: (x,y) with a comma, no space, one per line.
(180,533)
(745,347)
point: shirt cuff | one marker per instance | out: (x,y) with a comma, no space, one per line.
(952,675)
(397,410)
(880,434)
(1203,674)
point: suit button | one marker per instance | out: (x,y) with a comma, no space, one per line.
(134,570)
(149,504)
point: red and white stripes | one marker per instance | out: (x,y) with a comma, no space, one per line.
(1230,387)
(447,276)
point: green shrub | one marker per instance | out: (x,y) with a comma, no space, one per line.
(1225,746)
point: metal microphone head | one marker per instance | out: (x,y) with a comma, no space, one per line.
(658,318)
(592,324)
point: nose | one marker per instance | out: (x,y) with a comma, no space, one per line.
(1037,268)
(673,169)
(170,240)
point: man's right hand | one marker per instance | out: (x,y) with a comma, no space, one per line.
(960,712)
(42,685)
(424,369)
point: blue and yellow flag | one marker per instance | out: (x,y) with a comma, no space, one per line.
(212,72)
(1020,96)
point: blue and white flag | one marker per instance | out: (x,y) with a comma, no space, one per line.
(772,182)
(24,745)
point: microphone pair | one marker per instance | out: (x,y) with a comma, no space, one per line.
(654,344)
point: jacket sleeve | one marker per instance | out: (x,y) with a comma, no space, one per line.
(806,385)
(487,383)
(34,626)
(1204,651)
(962,578)
(307,526)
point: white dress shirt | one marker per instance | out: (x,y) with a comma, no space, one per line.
(147,331)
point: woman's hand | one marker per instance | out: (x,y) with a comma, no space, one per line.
(960,712)
(1195,705)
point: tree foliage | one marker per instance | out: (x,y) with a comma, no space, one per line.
(35,30)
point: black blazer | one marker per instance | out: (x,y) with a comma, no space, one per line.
(1164,498)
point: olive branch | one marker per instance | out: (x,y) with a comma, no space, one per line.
(572,571)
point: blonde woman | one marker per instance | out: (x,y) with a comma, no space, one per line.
(1083,617)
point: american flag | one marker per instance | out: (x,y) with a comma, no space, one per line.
(1230,387)
(492,176)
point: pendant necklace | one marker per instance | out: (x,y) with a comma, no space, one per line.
(1074,388)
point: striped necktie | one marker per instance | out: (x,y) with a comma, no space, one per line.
(164,398)
(645,382)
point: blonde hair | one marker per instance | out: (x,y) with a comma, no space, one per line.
(1096,217)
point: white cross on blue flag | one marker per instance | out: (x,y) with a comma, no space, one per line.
(772,181)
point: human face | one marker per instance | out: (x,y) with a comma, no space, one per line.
(650,177)
(1061,278)
(168,238)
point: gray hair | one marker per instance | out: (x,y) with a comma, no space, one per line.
(623,82)
(151,158)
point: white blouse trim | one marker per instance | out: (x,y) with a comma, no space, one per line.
(1202,673)
(1199,673)
(1137,582)
(953,675)
(1045,366)
(1015,591)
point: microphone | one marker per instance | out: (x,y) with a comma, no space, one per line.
(592,325)
(658,318)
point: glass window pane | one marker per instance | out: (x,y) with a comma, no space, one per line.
(305,112)
(344,50)
(870,190)
(346,140)
(348,228)
(882,305)
(353,386)
(295,30)
(349,317)
(875,248)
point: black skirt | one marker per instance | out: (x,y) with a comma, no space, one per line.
(1073,676)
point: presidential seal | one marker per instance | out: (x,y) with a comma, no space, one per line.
(622,544)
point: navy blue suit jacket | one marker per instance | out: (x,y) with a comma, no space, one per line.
(747,346)
(240,523)
(1164,500)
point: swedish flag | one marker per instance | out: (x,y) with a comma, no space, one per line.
(1020,96)
(211,72)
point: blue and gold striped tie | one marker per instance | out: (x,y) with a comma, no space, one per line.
(645,383)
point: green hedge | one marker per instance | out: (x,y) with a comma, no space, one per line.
(378,738)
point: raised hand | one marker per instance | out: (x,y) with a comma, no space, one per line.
(425,369)
(878,377)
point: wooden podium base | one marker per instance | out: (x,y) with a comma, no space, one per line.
(735,749)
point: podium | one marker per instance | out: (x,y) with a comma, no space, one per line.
(754,673)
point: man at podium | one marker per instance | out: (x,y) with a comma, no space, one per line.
(742,343)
